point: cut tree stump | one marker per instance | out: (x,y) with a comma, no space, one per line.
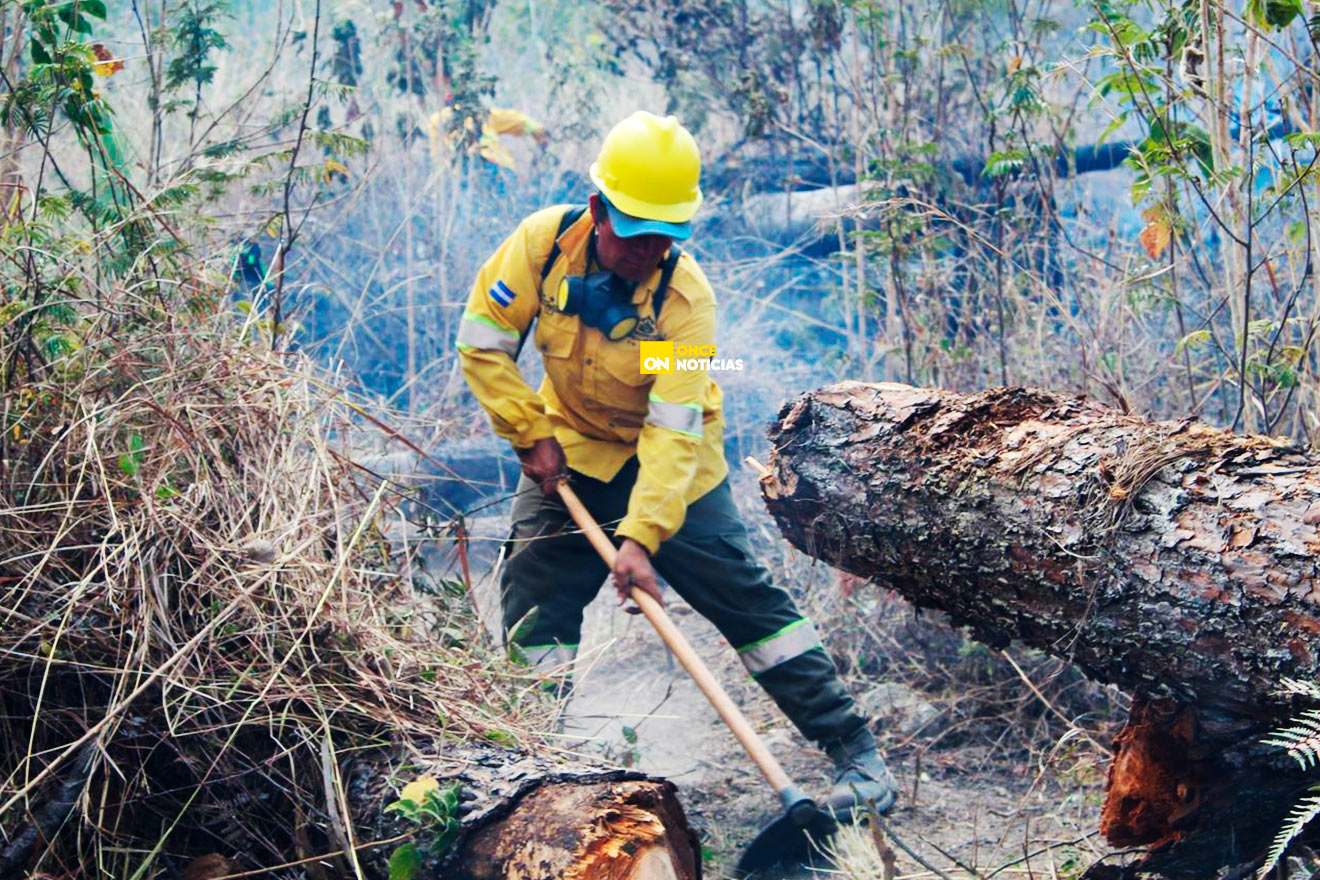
(529,818)
(1173,559)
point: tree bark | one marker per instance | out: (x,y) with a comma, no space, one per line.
(528,818)
(1171,558)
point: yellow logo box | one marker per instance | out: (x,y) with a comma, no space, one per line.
(657,357)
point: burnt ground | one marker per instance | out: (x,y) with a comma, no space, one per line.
(1000,758)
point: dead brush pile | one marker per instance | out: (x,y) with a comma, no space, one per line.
(200,621)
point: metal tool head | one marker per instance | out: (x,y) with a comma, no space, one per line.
(791,841)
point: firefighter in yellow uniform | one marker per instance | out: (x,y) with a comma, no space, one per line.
(644,452)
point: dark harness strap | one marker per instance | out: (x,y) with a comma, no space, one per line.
(666,274)
(570,217)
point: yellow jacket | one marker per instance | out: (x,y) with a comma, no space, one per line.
(594,399)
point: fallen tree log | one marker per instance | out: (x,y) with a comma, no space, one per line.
(527,817)
(1171,558)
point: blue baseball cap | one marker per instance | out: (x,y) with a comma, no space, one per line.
(628,226)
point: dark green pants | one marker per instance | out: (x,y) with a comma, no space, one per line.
(708,562)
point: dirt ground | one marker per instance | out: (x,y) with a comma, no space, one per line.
(994,782)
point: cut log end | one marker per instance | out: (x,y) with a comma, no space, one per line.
(1153,783)
(632,830)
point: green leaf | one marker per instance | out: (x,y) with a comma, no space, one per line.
(131,462)
(405,862)
(523,628)
(71,16)
(1111,128)
(39,53)
(1004,162)
(1193,340)
(1303,139)
(1302,813)
(93,7)
(406,809)
(444,838)
(1273,13)
(630,735)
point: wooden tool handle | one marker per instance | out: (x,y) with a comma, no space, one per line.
(682,651)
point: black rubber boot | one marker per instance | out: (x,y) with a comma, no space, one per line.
(860,775)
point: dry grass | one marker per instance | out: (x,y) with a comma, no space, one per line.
(202,618)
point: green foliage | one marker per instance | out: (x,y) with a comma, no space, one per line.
(131,462)
(63,72)
(434,809)
(1274,14)
(1166,152)
(405,862)
(442,43)
(1301,740)
(194,37)
(1302,813)
(1003,162)
(346,66)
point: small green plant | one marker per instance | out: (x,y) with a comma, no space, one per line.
(434,808)
(1301,739)
(634,755)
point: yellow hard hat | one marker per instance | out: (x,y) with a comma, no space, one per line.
(649,168)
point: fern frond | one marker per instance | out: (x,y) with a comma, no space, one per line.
(1302,813)
(1300,688)
(1301,739)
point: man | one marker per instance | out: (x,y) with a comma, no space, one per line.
(644,452)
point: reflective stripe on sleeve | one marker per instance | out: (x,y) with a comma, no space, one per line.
(796,639)
(684,418)
(478,332)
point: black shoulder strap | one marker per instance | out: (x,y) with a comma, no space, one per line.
(666,274)
(570,217)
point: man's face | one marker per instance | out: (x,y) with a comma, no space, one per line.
(632,259)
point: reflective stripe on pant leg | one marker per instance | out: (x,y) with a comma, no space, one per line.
(791,641)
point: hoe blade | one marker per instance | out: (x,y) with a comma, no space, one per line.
(787,844)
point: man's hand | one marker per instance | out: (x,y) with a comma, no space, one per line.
(544,462)
(633,568)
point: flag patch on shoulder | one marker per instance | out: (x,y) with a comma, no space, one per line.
(502,294)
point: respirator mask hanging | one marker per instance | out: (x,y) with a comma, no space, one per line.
(600,299)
